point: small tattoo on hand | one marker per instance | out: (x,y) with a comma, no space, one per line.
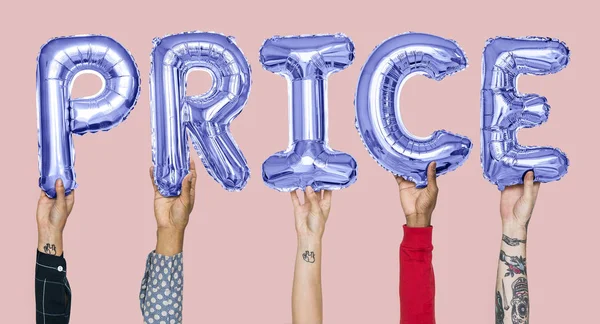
(309,256)
(50,249)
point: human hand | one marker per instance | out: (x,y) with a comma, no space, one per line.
(51,216)
(517,202)
(418,204)
(173,213)
(312,215)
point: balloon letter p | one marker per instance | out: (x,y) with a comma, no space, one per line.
(60,61)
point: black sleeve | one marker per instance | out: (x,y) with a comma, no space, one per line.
(52,290)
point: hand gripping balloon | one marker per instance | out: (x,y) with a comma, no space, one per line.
(306,62)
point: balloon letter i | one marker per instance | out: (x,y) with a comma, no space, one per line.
(306,62)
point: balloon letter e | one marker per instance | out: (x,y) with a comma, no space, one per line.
(504,110)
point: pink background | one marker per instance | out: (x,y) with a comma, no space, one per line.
(240,247)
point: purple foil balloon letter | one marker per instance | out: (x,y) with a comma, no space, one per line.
(60,61)
(377,102)
(306,62)
(504,110)
(206,117)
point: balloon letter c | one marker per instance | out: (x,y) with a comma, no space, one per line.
(378,118)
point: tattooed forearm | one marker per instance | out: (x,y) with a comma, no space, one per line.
(50,249)
(512,300)
(499,309)
(309,256)
(520,301)
(512,241)
(516,264)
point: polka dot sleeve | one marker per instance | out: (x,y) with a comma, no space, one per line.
(161,294)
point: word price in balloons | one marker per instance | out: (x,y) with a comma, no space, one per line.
(306,62)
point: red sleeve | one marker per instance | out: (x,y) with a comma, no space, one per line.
(417,282)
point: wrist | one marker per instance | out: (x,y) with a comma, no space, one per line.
(170,227)
(514,230)
(169,241)
(309,242)
(309,250)
(418,220)
(50,243)
(49,230)
(171,230)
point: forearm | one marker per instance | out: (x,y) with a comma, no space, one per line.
(161,292)
(417,281)
(512,290)
(307,299)
(52,290)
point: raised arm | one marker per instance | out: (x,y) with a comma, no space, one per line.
(161,295)
(52,290)
(512,289)
(417,281)
(310,216)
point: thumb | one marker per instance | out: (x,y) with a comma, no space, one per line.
(151,173)
(60,193)
(528,187)
(432,177)
(193,187)
(186,188)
